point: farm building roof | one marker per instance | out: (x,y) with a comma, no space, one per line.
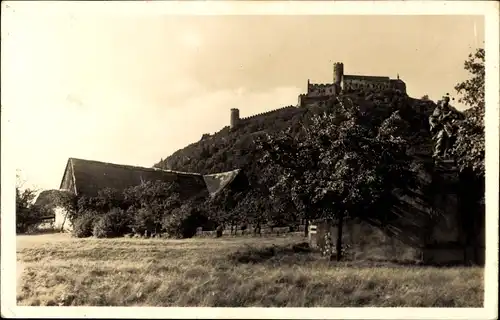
(87,177)
(218,181)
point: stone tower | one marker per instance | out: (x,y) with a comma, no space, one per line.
(235,118)
(338,74)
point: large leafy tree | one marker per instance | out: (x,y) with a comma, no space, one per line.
(469,145)
(255,207)
(28,214)
(294,162)
(224,208)
(471,91)
(149,202)
(348,164)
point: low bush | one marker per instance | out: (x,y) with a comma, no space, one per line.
(143,219)
(114,223)
(103,228)
(83,225)
(183,222)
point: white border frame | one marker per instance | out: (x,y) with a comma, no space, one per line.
(488,9)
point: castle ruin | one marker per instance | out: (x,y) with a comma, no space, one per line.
(342,83)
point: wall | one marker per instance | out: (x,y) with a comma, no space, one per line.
(265,231)
(264,114)
(356,84)
(367,242)
(434,230)
(68,183)
(308,101)
(398,84)
(317,90)
(61,222)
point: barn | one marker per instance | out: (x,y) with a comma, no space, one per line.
(86,177)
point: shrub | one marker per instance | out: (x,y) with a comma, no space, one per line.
(83,224)
(114,223)
(143,219)
(330,249)
(148,202)
(103,228)
(183,222)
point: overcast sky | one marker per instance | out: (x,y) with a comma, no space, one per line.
(135,89)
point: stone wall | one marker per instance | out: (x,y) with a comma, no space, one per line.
(265,231)
(366,242)
(321,90)
(264,114)
(358,84)
(437,229)
(305,100)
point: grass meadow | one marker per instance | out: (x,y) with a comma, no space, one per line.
(57,270)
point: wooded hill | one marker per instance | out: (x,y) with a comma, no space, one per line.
(231,149)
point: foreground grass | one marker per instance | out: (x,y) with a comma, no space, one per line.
(230,272)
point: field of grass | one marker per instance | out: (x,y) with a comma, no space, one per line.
(55,269)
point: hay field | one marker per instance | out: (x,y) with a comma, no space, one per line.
(55,269)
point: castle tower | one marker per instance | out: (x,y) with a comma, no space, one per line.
(235,118)
(338,73)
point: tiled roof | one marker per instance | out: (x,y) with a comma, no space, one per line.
(218,181)
(90,176)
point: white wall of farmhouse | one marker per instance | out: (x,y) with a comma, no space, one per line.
(62,222)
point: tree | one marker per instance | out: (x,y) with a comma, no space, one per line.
(472,90)
(223,207)
(292,161)
(149,202)
(348,164)
(468,148)
(253,208)
(183,221)
(26,214)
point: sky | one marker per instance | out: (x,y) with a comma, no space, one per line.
(134,89)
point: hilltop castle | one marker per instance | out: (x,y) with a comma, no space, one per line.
(342,83)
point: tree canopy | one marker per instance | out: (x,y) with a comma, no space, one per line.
(469,146)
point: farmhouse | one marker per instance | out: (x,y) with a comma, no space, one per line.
(86,177)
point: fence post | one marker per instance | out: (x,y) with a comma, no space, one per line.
(311,234)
